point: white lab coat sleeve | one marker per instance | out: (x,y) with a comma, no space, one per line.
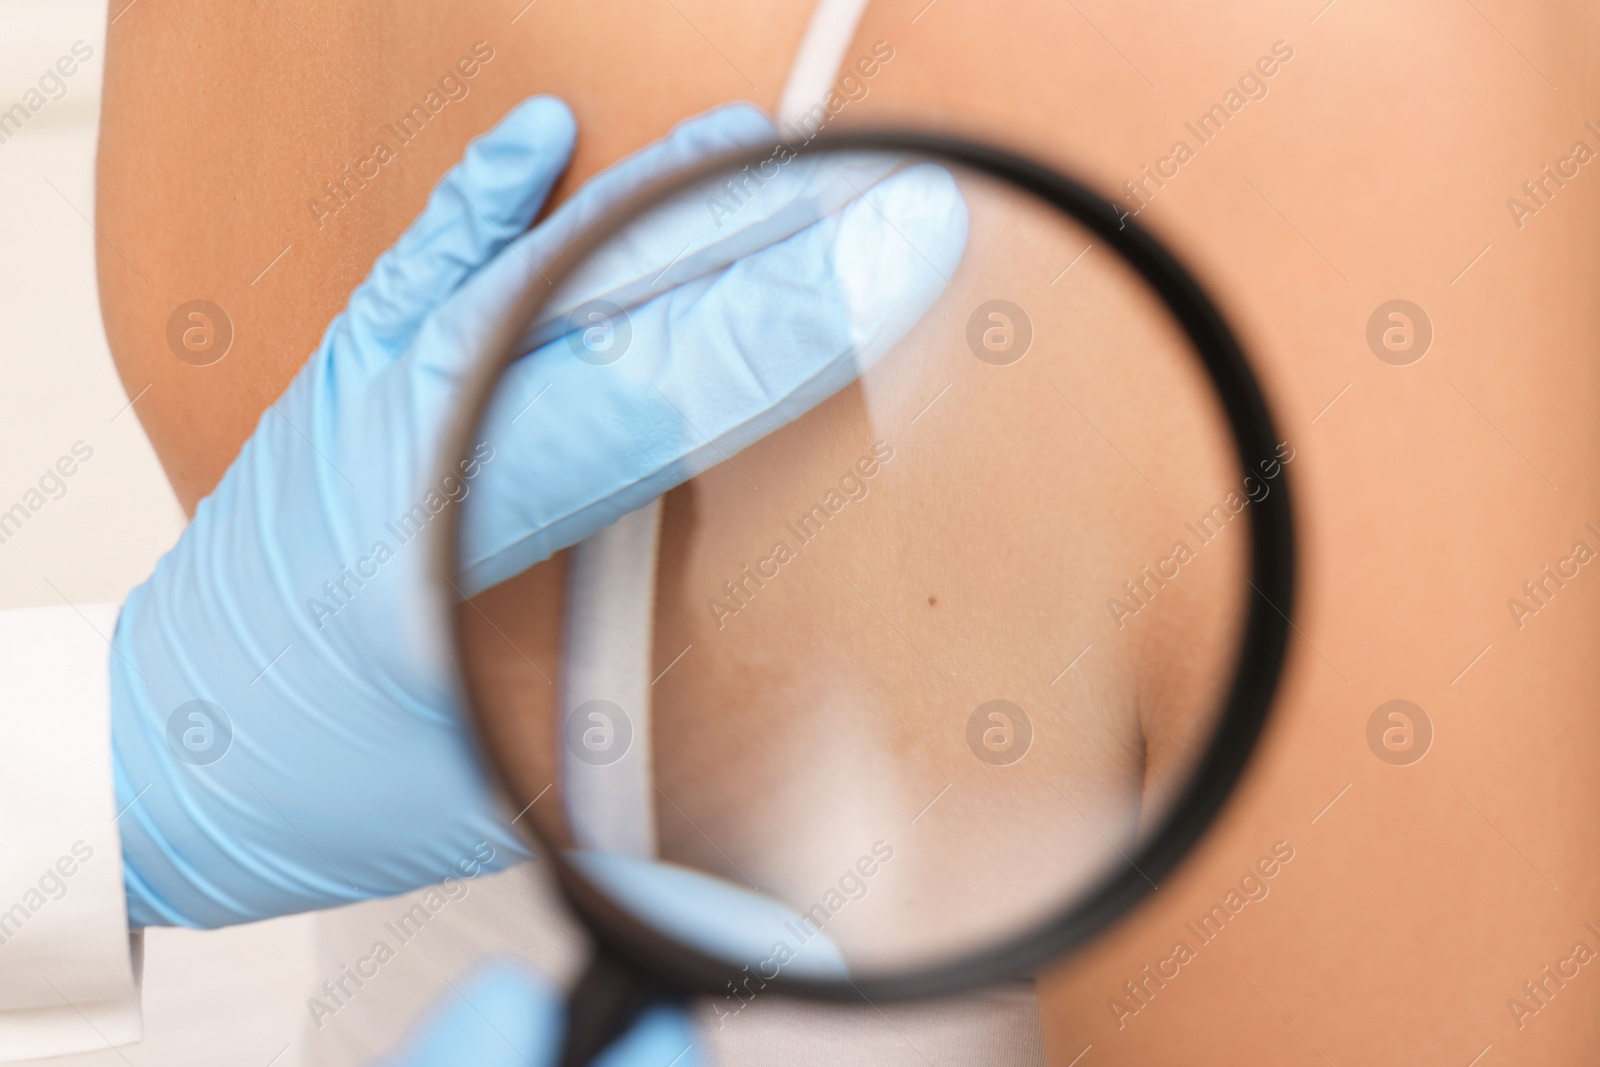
(68,968)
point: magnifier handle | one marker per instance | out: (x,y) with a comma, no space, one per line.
(609,997)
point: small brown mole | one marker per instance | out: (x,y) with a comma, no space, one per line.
(933,601)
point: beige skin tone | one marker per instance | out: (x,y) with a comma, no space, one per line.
(1378,166)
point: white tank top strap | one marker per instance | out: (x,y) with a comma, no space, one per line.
(611,583)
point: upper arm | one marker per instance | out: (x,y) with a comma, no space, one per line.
(228,144)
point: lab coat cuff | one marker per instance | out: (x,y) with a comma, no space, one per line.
(69,967)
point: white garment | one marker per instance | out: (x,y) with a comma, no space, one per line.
(69,972)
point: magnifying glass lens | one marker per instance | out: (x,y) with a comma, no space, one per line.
(947,586)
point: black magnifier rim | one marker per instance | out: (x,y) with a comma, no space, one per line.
(683,969)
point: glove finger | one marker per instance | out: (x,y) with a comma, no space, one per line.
(712,366)
(661,1038)
(501,1015)
(453,340)
(706,229)
(724,920)
(504,1015)
(482,204)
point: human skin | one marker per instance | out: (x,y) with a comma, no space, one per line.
(1377,167)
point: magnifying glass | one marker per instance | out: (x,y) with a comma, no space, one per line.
(950,614)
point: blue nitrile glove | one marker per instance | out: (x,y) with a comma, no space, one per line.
(504,1015)
(286,730)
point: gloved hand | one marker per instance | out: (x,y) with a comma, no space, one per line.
(329,763)
(504,1015)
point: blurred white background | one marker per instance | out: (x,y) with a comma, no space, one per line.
(224,998)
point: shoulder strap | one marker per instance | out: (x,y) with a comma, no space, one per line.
(611,582)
